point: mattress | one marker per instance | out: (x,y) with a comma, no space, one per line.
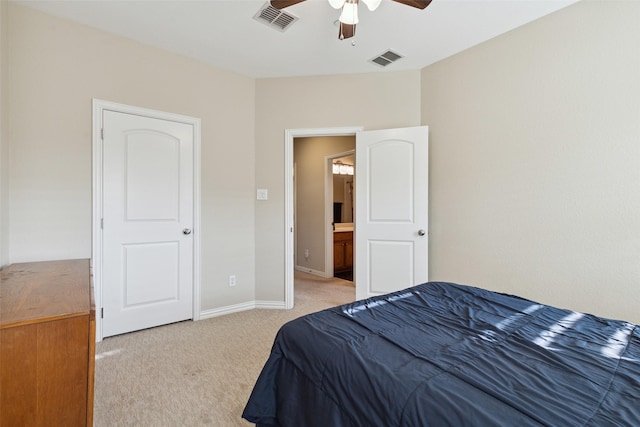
(445,354)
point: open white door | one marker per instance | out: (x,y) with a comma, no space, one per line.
(391,231)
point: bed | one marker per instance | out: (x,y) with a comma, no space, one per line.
(444,354)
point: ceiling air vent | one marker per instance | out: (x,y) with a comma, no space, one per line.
(278,19)
(386,58)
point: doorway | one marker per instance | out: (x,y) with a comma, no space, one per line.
(290,248)
(317,199)
(341,201)
(389,203)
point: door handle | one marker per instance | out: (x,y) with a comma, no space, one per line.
(421,232)
(186,231)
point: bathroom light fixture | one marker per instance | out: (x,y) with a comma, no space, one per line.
(340,168)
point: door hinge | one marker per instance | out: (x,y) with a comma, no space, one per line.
(102,313)
(102,223)
(102,134)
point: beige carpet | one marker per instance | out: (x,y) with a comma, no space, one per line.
(197,373)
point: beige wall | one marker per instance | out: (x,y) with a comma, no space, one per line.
(55,69)
(309,155)
(535,161)
(374,101)
(533,138)
(4,124)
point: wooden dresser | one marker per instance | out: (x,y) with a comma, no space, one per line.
(47,344)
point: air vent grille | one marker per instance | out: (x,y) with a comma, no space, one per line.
(386,58)
(277,19)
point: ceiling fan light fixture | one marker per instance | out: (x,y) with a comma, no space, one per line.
(346,31)
(349,13)
(371,4)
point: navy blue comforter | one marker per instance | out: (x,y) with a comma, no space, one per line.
(442,354)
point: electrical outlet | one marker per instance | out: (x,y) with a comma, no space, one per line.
(232,280)
(306,253)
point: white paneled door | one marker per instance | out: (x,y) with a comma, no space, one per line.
(148,215)
(391,210)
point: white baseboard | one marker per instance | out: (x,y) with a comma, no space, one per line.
(236,308)
(311,271)
(278,305)
(221,311)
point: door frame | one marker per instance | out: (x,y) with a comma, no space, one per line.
(99,106)
(328,208)
(289,136)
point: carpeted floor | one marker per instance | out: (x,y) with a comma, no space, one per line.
(197,373)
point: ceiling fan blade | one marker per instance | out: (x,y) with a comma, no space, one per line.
(346,31)
(281,4)
(420,4)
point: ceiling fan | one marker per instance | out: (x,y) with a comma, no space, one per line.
(349,16)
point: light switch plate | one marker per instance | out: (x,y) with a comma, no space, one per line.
(262,194)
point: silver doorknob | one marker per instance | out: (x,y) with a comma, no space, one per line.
(186,231)
(421,232)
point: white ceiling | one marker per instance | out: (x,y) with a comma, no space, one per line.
(223,33)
